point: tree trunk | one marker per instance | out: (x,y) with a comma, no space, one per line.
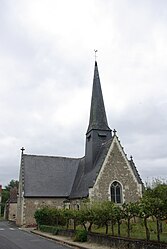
(112,228)
(119,228)
(128,227)
(84,226)
(106,228)
(90,226)
(147,230)
(67,224)
(158,230)
(74,224)
(160,226)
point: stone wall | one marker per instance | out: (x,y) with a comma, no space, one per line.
(116,242)
(12,211)
(124,243)
(32,204)
(116,167)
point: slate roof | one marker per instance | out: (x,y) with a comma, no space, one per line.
(98,118)
(136,173)
(85,180)
(63,177)
(47,176)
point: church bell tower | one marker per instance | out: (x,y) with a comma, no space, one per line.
(98,130)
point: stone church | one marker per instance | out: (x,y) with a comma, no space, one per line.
(104,173)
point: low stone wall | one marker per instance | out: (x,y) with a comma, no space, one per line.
(116,242)
(68,233)
(124,243)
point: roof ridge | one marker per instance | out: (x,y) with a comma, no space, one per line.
(64,157)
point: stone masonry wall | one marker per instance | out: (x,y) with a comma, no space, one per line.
(116,168)
(12,211)
(32,204)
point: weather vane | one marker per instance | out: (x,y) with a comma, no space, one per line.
(95,50)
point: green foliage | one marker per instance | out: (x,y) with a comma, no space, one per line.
(81,236)
(12,184)
(46,216)
(130,210)
(134,218)
(5,197)
(49,229)
(6,193)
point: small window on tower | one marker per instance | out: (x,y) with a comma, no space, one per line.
(102,134)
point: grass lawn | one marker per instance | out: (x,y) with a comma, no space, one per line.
(137,230)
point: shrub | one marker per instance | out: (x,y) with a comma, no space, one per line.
(49,229)
(50,216)
(81,236)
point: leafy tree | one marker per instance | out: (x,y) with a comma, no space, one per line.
(6,193)
(5,197)
(104,214)
(89,214)
(12,184)
(157,197)
(66,213)
(145,211)
(119,215)
(130,210)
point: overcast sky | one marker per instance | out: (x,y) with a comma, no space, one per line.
(46,75)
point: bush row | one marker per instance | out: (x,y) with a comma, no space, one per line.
(105,214)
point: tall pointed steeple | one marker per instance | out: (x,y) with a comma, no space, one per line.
(98,119)
(98,130)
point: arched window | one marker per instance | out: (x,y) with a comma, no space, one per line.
(116,192)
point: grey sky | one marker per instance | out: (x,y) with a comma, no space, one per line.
(46,73)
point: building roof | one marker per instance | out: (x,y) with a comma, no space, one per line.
(136,173)
(98,118)
(85,180)
(48,176)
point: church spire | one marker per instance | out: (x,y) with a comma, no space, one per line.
(98,131)
(98,119)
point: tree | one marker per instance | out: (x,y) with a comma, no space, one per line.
(12,184)
(119,215)
(130,210)
(6,193)
(89,214)
(145,211)
(105,214)
(158,203)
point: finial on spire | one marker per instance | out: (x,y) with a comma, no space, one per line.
(114,131)
(95,50)
(22,149)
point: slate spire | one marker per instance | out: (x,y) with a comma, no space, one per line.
(98,131)
(98,119)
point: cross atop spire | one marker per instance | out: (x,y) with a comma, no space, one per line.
(95,54)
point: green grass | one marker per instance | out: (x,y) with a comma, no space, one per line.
(137,230)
